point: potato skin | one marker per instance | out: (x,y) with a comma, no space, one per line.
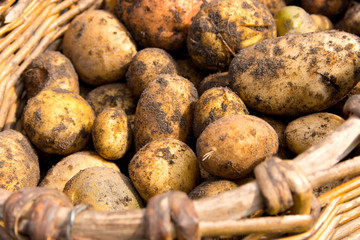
(158,23)
(66,168)
(297,74)
(105,189)
(58,121)
(220,30)
(19,164)
(232,146)
(165,110)
(163,165)
(50,69)
(214,104)
(307,131)
(211,188)
(146,65)
(99,46)
(111,134)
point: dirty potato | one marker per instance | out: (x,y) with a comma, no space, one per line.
(211,188)
(146,65)
(19,164)
(58,121)
(223,27)
(111,134)
(220,79)
(233,145)
(165,110)
(66,168)
(163,165)
(103,188)
(297,74)
(159,23)
(50,69)
(329,8)
(352,19)
(113,95)
(99,47)
(214,104)
(307,131)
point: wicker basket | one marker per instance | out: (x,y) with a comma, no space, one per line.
(249,212)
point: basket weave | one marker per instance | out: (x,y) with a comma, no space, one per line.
(35,26)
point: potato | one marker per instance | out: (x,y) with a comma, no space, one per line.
(211,188)
(294,19)
(307,131)
(163,165)
(274,6)
(189,71)
(58,121)
(329,8)
(111,134)
(158,23)
(297,74)
(220,79)
(99,46)
(323,22)
(50,69)
(146,65)
(223,27)
(105,189)
(214,104)
(352,19)
(165,110)
(232,146)
(67,167)
(112,95)
(19,164)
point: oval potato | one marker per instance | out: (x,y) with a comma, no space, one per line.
(297,74)
(233,145)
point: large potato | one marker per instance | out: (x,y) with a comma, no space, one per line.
(66,168)
(165,110)
(113,95)
(164,165)
(214,104)
(307,131)
(159,23)
(111,134)
(232,146)
(58,121)
(103,188)
(50,69)
(99,46)
(19,164)
(297,74)
(223,27)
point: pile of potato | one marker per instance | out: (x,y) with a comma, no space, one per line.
(148,96)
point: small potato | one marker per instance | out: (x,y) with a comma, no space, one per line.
(67,167)
(146,65)
(352,19)
(50,69)
(214,104)
(223,27)
(165,110)
(232,146)
(297,74)
(294,19)
(105,189)
(58,121)
(189,71)
(329,8)
(323,22)
(99,46)
(113,95)
(19,164)
(159,23)
(307,131)
(163,165)
(211,188)
(274,6)
(111,134)
(220,79)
